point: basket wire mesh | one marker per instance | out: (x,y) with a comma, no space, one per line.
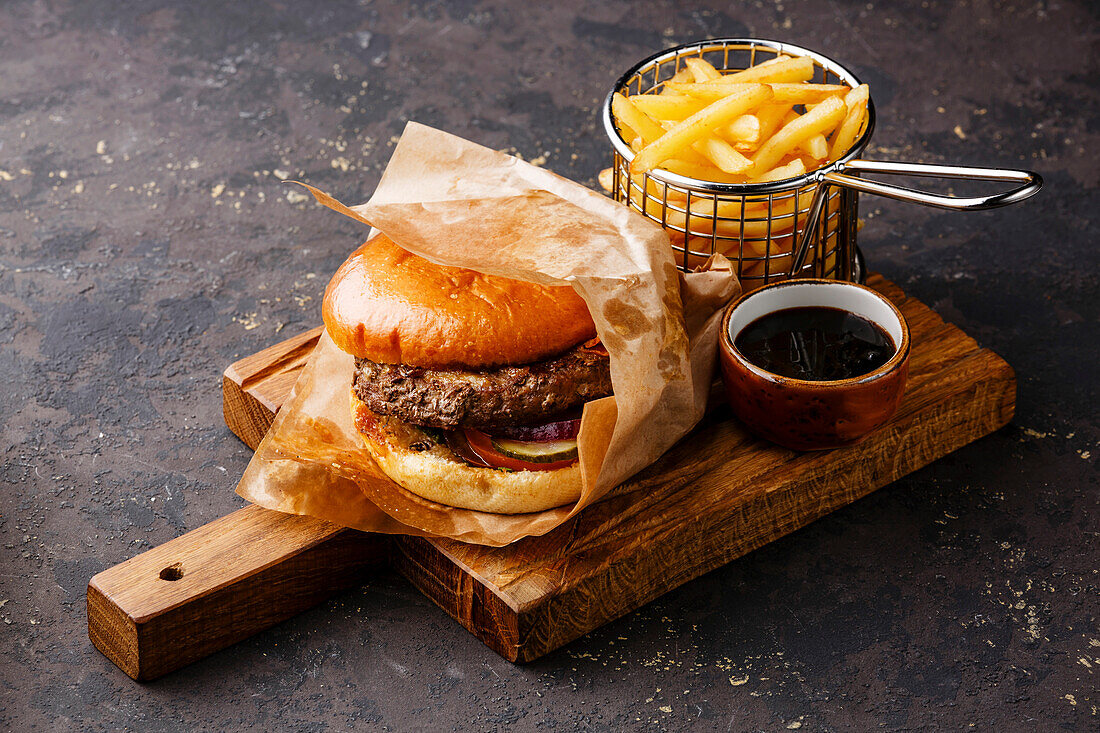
(756,226)
(804,226)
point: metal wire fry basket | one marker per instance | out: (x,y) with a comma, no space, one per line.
(798,227)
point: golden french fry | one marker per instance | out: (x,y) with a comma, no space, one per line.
(748,249)
(807,93)
(811,163)
(795,168)
(760,238)
(849,129)
(696,153)
(699,125)
(775,246)
(816,147)
(734,249)
(760,221)
(682,75)
(666,107)
(750,253)
(627,134)
(657,190)
(703,171)
(768,267)
(821,118)
(771,118)
(607,180)
(710,92)
(641,123)
(778,70)
(676,216)
(701,70)
(745,129)
(722,154)
(780,210)
(793,93)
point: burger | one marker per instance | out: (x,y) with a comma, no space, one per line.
(468,387)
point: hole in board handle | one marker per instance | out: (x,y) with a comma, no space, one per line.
(172,572)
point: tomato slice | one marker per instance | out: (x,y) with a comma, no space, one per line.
(482,446)
(457,442)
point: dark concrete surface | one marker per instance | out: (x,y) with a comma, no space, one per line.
(146,242)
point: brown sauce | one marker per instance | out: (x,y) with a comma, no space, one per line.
(815,344)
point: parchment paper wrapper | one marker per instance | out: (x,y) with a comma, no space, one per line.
(460,204)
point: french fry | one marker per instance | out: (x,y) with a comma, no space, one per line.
(822,118)
(701,70)
(757,211)
(703,223)
(777,70)
(704,171)
(777,253)
(850,128)
(638,121)
(626,133)
(668,106)
(607,180)
(751,249)
(767,267)
(775,246)
(647,128)
(722,154)
(683,74)
(745,129)
(771,118)
(795,168)
(807,93)
(794,93)
(779,210)
(699,125)
(656,190)
(816,147)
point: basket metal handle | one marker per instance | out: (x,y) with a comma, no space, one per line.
(1030,183)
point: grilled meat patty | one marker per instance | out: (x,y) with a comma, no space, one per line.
(512,395)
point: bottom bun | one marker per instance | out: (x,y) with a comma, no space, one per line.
(431,470)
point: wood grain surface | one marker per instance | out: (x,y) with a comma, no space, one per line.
(221,583)
(712,498)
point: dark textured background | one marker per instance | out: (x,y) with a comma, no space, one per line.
(146,242)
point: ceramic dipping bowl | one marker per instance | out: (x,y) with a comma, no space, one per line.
(813,415)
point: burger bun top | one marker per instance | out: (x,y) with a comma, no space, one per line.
(390,306)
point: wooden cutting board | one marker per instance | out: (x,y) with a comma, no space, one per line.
(715,496)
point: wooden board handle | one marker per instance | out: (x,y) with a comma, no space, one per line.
(712,498)
(221,583)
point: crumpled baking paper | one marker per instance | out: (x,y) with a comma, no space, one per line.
(457,203)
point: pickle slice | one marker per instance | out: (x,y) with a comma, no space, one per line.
(543,451)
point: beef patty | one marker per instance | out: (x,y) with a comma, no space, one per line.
(511,395)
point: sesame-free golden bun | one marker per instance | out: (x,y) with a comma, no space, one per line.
(390,306)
